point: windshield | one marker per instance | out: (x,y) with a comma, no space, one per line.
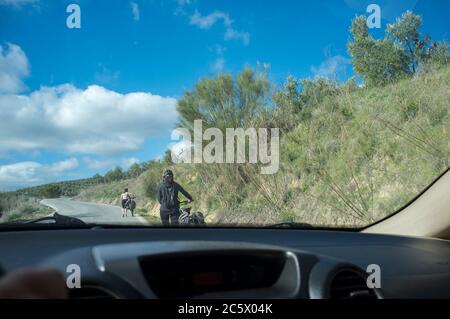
(180,112)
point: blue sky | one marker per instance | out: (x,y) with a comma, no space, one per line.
(124,69)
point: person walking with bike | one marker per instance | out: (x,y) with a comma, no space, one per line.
(125,199)
(168,199)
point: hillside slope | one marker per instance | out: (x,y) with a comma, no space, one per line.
(357,158)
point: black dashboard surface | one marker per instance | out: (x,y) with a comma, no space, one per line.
(410,267)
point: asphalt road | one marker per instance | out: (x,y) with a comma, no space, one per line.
(92,213)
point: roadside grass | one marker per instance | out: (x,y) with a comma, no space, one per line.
(27,209)
(152,219)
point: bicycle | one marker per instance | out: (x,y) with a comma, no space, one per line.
(130,205)
(186,218)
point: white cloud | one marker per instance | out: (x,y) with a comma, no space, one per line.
(107,164)
(218,65)
(106,77)
(24,174)
(184,2)
(181,4)
(232,34)
(14,67)
(135,11)
(63,166)
(91,121)
(206,22)
(218,49)
(130,161)
(17,3)
(97,164)
(66,119)
(334,67)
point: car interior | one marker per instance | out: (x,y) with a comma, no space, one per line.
(185,150)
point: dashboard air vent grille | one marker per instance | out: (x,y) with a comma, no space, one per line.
(350,284)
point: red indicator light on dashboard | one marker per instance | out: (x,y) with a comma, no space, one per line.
(207,278)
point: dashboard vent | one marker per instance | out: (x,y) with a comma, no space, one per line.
(351,284)
(90,293)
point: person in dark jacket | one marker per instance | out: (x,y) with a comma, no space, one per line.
(168,199)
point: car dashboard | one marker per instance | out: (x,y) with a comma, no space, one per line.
(186,263)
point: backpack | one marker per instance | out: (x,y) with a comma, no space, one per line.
(168,199)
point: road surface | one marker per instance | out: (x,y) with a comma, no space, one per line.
(92,213)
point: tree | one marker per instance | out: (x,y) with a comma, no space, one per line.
(50,191)
(379,62)
(97,178)
(114,175)
(288,105)
(288,98)
(296,100)
(439,53)
(225,101)
(315,91)
(146,165)
(134,171)
(405,33)
(167,159)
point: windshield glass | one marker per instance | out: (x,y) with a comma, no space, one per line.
(192,112)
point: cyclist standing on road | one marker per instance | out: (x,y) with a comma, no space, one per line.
(168,199)
(125,197)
